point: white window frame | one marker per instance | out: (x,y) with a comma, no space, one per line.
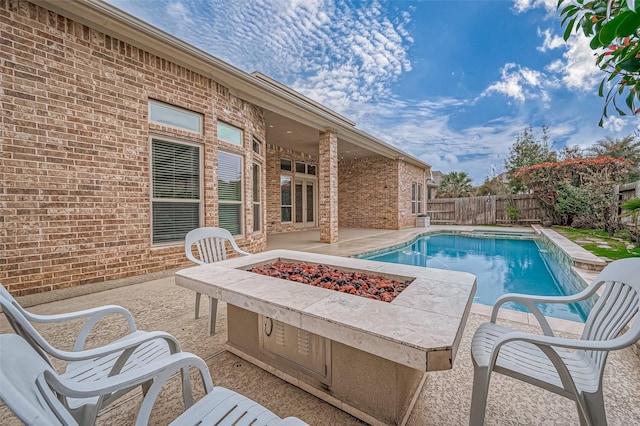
(413,197)
(256,146)
(230,127)
(242,191)
(256,180)
(419,192)
(290,169)
(177,110)
(153,199)
(289,206)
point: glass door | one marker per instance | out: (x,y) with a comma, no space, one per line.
(305,205)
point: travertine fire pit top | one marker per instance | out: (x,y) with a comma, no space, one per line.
(421,328)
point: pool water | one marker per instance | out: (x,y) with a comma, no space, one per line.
(501,265)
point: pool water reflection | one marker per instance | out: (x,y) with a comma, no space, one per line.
(501,265)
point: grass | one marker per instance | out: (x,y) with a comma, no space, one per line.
(591,238)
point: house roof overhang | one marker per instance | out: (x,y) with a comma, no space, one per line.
(257,89)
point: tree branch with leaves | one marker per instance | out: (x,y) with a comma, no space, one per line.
(614,29)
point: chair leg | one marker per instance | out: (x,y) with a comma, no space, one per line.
(481,377)
(197,305)
(213,313)
(594,407)
(187,393)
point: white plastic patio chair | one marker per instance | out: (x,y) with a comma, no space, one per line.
(569,367)
(211,247)
(38,395)
(125,356)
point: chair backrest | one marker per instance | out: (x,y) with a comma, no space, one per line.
(210,245)
(18,318)
(616,307)
(22,388)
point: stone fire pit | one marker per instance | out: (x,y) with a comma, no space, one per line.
(367,357)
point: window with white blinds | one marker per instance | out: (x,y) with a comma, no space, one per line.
(175,170)
(230,192)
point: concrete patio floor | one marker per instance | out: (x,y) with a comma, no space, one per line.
(158,304)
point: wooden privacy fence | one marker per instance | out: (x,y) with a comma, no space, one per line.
(488,210)
(628,191)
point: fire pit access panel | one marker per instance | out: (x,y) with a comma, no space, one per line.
(299,349)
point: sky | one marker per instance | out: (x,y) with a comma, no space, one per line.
(452,82)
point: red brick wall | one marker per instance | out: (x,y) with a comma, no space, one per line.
(76,187)
(368,193)
(409,174)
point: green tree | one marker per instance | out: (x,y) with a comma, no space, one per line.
(627,148)
(570,153)
(527,151)
(455,185)
(613,27)
(493,186)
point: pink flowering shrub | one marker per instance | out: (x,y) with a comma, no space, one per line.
(577,192)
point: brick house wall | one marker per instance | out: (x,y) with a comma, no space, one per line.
(273,173)
(376,193)
(76,203)
(407,175)
(368,193)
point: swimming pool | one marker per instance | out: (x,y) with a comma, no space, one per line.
(501,265)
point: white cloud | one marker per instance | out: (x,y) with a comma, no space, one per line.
(577,68)
(333,52)
(179,12)
(519,83)
(613,124)
(550,42)
(524,5)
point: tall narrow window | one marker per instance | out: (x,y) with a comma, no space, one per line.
(285,198)
(175,175)
(230,192)
(413,198)
(229,133)
(419,198)
(257,218)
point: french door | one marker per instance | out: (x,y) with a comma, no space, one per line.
(305,203)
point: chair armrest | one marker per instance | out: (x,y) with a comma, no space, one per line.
(127,344)
(86,313)
(93,315)
(558,342)
(529,301)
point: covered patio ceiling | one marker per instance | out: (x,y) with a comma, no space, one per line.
(291,134)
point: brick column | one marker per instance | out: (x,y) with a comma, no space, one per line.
(328,186)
